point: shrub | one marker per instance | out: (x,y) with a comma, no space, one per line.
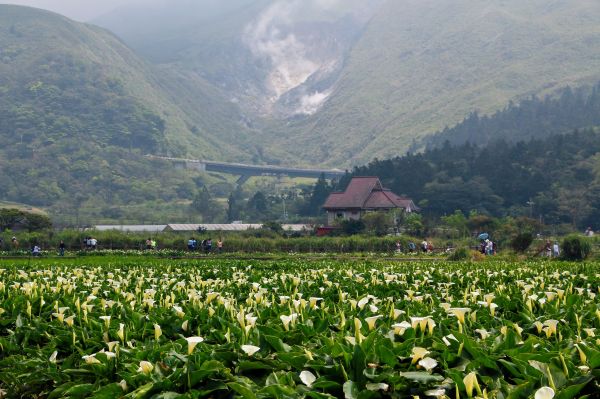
(521,242)
(460,254)
(575,247)
(351,227)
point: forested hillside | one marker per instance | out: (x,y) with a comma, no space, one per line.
(531,118)
(557,179)
(78,112)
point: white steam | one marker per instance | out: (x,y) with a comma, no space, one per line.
(309,104)
(283,37)
(290,62)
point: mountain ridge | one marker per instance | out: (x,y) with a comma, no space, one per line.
(414,67)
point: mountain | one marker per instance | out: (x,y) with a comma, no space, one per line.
(79,110)
(339,83)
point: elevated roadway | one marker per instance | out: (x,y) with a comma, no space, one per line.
(246,171)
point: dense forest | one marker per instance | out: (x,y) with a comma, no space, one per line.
(532,118)
(556,179)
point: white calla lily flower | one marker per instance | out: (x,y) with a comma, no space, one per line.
(145,367)
(250,350)
(307,378)
(192,342)
(544,393)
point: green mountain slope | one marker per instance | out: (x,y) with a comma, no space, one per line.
(79,110)
(342,84)
(425,64)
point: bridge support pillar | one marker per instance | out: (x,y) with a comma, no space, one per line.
(243,179)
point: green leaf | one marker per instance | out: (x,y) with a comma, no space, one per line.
(325,384)
(58,392)
(109,392)
(79,391)
(242,390)
(141,392)
(386,355)
(359,363)
(572,390)
(248,365)
(277,343)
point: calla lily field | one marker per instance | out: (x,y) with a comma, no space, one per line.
(225,328)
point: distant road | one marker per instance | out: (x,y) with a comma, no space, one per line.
(246,171)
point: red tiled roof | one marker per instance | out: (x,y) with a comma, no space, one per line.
(356,193)
(368,193)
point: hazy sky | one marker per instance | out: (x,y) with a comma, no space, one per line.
(80,10)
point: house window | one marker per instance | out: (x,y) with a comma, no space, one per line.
(339,215)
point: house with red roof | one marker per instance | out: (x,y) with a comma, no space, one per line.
(364,195)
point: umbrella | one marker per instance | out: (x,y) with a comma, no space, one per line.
(483,236)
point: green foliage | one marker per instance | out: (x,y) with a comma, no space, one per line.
(522,241)
(352,226)
(378,223)
(458,222)
(576,247)
(14,219)
(320,192)
(204,204)
(532,118)
(413,223)
(502,179)
(292,328)
(460,254)
(78,112)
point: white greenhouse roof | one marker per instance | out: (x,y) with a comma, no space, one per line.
(155,228)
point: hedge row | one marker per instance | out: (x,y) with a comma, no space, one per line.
(74,241)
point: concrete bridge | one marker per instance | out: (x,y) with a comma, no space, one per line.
(247,171)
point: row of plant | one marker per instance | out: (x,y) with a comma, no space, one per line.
(114,240)
(144,328)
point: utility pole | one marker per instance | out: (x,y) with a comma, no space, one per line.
(285,215)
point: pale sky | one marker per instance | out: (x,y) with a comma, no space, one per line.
(80,10)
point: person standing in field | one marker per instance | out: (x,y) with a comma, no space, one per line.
(15,243)
(61,248)
(548,249)
(220,245)
(556,249)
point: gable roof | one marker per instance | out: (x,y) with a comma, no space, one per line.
(356,193)
(368,193)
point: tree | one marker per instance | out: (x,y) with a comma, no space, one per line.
(235,205)
(205,205)
(458,222)
(319,195)
(378,223)
(17,219)
(413,223)
(258,203)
